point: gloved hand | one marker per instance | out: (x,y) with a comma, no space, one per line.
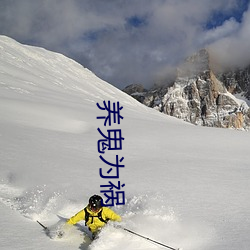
(62,230)
(118,226)
(60,234)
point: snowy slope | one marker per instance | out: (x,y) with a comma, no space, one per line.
(186,186)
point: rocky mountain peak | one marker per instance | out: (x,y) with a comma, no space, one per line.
(196,64)
(200,96)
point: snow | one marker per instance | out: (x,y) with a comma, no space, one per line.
(186,186)
(242,99)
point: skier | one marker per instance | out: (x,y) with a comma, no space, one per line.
(95,215)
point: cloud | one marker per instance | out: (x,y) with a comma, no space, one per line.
(121,41)
(228,28)
(233,49)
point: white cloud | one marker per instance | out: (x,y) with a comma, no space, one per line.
(233,50)
(97,32)
(228,28)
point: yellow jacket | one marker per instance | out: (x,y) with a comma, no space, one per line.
(94,223)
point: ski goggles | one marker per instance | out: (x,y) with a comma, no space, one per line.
(94,208)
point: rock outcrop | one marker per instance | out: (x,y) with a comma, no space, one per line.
(199,96)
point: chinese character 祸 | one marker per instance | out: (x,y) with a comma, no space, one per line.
(116,175)
(112,195)
(112,142)
(115,111)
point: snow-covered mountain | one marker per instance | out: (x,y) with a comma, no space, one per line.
(186,186)
(201,95)
(237,81)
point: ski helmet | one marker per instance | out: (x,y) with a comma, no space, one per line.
(95,202)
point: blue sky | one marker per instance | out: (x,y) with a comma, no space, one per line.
(131,41)
(218,17)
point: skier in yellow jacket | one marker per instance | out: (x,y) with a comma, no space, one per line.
(95,215)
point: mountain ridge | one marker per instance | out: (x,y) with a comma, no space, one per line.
(201,95)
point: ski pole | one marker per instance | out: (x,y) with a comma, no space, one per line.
(45,228)
(159,243)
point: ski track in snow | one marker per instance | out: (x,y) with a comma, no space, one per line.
(144,214)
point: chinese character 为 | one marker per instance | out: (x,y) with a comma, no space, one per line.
(115,112)
(112,142)
(112,195)
(116,175)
